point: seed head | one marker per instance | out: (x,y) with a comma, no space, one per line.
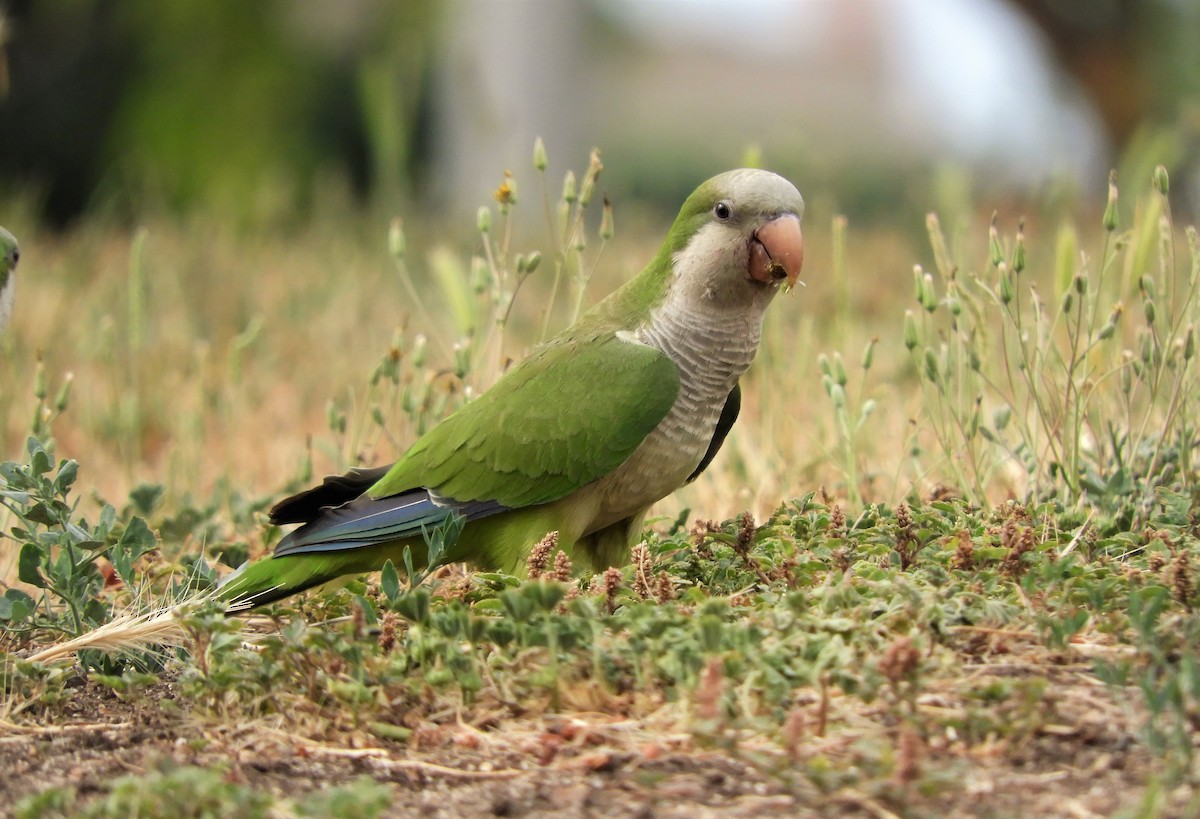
(540,160)
(595,166)
(387,632)
(995,249)
(562,568)
(606,220)
(1018,259)
(868,356)
(1162,183)
(1110,210)
(64,392)
(539,556)
(611,584)
(911,339)
(1006,284)
(837,521)
(964,555)
(839,370)
(664,589)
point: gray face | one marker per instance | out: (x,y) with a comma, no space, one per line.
(748,245)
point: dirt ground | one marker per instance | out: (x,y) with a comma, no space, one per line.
(1092,768)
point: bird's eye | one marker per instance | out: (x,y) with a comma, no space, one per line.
(722,211)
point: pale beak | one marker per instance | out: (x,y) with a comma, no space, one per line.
(777,251)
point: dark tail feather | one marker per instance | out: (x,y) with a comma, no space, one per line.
(333,491)
(366,522)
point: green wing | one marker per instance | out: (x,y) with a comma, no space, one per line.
(569,414)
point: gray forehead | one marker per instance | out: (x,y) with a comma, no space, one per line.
(761,190)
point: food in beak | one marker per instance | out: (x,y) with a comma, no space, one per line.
(777,251)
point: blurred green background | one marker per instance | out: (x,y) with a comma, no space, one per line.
(258,110)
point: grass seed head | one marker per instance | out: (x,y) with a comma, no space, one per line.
(610,584)
(562,568)
(606,220)
(1110,210)
(539,556)
(664,589)
(1162,182)
(540,159)
(911,337)
(995,249)
(595,166)
(837,521)
(964,554)
(387,632)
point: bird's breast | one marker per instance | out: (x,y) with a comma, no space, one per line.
(710,358)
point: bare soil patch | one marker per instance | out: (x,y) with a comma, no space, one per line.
(1084,767)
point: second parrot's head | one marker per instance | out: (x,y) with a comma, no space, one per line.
(737,238)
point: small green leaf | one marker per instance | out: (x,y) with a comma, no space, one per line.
(407,557)
(40,513)
(370,617)
(136,540)
(67,472)
(29,566)
(20,605)
(389,581)
(146,497)
(137,537)
(39,459)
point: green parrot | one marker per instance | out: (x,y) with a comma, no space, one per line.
(10,253)
(583,436)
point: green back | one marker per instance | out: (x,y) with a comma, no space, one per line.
(569,414)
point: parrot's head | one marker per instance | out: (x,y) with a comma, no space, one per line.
(737,239)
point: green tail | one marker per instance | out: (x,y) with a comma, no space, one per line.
(265,581)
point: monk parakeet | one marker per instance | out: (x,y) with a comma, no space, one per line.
(10,253)
(618,411)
